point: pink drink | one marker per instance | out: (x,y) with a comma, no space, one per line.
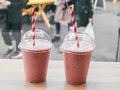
(77,61)
(36,59)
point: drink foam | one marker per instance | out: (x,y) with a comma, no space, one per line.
(40,44)
(72,46)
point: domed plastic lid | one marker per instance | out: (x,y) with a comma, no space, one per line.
(42,40)
(70,43)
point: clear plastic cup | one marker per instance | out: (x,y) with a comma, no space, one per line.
(35,58)
(77,59)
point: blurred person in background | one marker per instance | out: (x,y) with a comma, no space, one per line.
(50,11)
(12,28)
(83,14)
(61,17)
(83,11)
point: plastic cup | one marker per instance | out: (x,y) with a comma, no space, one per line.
(77,59)
(76,66)
(35,58)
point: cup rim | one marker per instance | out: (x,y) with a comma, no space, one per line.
(21,46)
(36,51)
(64,50)
(78,53)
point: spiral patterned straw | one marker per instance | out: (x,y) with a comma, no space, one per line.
(33,24)
(74,26)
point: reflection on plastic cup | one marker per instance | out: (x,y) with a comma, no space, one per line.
(74,87)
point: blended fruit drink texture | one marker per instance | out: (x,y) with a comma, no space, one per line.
(77,61)
(36,59)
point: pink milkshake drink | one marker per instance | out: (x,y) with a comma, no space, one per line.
(35,59)
(77,59)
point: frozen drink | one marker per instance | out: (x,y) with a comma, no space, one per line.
(77,61)
(36,59)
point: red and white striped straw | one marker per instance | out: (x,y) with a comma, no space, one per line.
(74,26)
(33,24)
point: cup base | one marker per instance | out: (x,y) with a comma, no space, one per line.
(36,81)
(76,83)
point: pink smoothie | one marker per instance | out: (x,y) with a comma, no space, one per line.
(36,59)
(77,61)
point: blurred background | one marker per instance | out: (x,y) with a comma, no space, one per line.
(106,23)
